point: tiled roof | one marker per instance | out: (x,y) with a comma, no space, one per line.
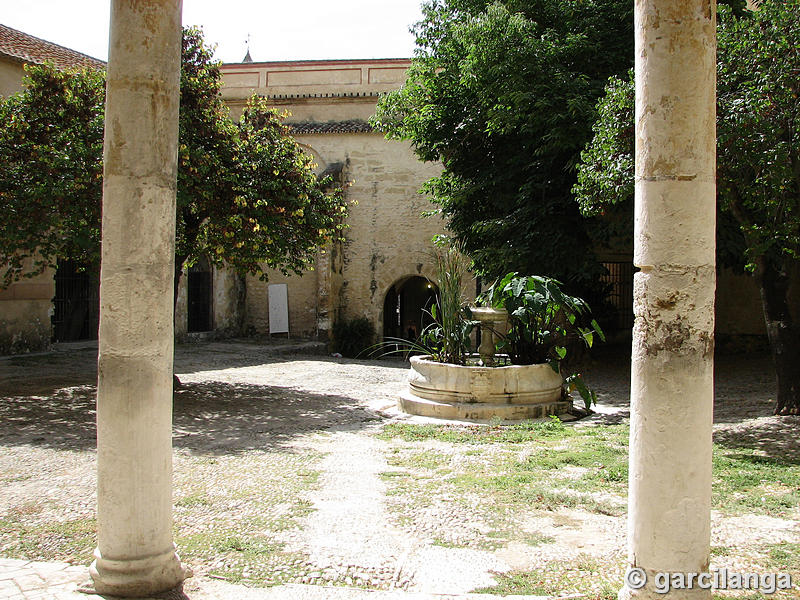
(352,126)
(27,48)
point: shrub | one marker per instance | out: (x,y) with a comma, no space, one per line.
(352,337)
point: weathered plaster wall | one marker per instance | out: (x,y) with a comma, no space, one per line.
(11,72)
(302,299)
(387,237)
(227,304)
(25,309)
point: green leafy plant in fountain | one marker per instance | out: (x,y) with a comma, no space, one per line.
(543,323)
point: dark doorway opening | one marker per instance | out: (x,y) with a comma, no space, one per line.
(76,305)
(619,296)
(199,296)
(406,309)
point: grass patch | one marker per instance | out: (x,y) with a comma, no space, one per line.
(782,558)
(236,529)
(195,499)
(423,459)
(517,433)
(745,482)
(565,463)
(591,578)
(71,541)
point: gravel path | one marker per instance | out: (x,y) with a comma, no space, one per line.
(282,448)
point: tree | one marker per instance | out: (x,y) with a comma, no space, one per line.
(758,165)
(503,95)
(247,194)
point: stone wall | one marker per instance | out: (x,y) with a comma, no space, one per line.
(25,310)
(11,73)
(387,237)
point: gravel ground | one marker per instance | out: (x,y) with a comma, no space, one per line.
(279,475)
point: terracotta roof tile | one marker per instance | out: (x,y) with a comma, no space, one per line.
(27,48)
(352,126)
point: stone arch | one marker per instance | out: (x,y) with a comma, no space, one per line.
(321,163)
(406,306)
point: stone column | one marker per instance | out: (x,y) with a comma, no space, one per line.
(135,554)
(672,388)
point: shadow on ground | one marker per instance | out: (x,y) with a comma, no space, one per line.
(774,438)
(208,417)
(49,399)
(224,418)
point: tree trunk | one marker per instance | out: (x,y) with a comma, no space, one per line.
(784,341)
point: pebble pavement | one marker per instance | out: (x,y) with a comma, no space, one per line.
(30,580)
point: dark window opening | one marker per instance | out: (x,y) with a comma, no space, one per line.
(76,305)
(199,297)
(617,315)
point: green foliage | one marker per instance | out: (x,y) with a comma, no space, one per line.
(758,165)
(543,322)
(758,142)
(247,195)
(51,141)
(542,318)
(503,94)
(758,138)
(448,337)
(352,337)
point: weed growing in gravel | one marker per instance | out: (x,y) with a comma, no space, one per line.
(236,527)
(593,579)
(783,557)
(68,541)
(524,431)
(568,465)
(745,481)
(195,499)
(499,474)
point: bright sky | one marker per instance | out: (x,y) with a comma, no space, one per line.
(285,30)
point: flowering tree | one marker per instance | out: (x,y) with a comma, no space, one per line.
(247,194)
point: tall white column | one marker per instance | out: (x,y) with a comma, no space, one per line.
(135,554)
(672,388)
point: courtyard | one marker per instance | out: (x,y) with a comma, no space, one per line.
(292,467)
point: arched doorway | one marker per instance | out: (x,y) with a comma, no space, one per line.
(406,308)
(199,296)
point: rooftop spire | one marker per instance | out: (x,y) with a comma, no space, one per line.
(247,58)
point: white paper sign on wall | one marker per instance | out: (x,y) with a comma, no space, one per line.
(278,308)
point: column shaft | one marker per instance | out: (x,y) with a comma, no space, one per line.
(672,387)
(135,554)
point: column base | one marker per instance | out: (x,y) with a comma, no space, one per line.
(137,578)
